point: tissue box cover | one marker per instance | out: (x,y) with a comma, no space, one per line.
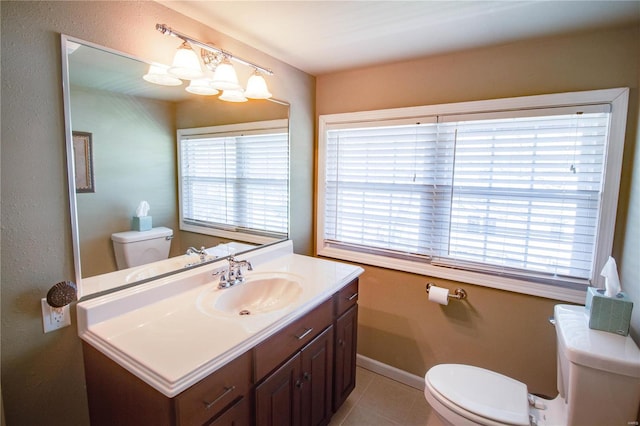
(612,314)
(142,223)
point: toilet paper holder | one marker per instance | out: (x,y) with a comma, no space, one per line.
(458,293)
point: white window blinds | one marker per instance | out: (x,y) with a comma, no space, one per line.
(387,188)
(514,193)
(236,181)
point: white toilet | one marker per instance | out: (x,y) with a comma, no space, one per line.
(135,248)
(598,383)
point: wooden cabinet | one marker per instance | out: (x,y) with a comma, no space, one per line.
(317,379)
(117,397)
(278,397)
(210,396)
(237,415)
(286,342)
(346,332)
(298,376)
(299,392)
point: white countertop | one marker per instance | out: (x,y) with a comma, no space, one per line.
(166,333)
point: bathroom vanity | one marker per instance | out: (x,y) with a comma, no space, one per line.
(181,351)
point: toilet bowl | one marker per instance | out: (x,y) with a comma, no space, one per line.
(588,362)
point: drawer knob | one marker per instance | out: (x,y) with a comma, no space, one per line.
(227,390)
(306,332)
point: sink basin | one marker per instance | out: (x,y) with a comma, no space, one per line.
(259,294)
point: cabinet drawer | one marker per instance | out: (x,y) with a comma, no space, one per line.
(347,297)
(209,396)
(238,415)
(273,351)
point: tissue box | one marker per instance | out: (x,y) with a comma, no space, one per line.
(612,314)
(142,223)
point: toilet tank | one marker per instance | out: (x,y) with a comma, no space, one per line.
(598,372)
(135,248)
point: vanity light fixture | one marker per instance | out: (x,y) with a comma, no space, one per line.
(218,74)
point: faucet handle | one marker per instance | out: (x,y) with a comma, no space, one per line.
(224,282)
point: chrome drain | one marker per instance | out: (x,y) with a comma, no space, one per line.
(244,312)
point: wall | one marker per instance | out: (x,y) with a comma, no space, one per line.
(503,331)
(42,374)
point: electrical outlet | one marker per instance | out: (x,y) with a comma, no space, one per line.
(54,318)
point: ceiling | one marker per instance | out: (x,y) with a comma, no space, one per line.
(326,36)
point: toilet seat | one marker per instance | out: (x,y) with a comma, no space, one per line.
(479,395)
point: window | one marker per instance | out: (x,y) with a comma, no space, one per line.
(235,180)
(517,194)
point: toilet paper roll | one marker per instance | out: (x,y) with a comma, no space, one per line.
(439,295)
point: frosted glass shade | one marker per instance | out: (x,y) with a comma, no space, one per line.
(158,74)
(186,64)
(201,86)
(225,77)
(257,88)
(233,96)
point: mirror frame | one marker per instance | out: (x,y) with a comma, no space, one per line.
(71,174)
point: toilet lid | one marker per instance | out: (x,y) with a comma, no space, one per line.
(135,236)
(482,392)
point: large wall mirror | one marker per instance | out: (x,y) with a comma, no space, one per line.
(121,148)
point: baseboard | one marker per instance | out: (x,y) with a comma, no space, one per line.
(392,373)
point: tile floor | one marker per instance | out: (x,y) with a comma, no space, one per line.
(379,401)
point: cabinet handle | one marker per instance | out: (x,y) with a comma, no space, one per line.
(305,334)
(353,296)
(306,376)
(340,342)
(299,384)
(227,390)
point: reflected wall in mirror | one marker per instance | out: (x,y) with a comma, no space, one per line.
(134,124)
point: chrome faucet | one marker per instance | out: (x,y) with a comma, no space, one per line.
(234,273)
(202,252)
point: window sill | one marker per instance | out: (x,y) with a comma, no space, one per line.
(476,278)
(230,235)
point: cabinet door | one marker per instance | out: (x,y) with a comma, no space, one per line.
(346,331)
(317,379)
(278,397)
